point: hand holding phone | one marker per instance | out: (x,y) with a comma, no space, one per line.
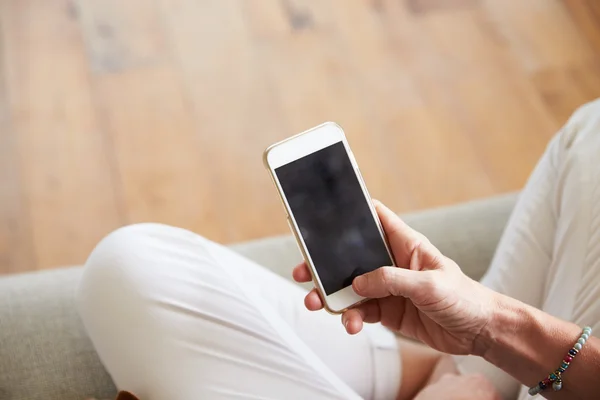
(364,260)
(329,211)
(426,297)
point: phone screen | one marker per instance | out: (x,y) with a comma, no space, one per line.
(333,216)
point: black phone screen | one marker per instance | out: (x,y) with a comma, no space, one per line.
(333,216)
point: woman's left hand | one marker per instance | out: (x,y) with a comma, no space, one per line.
(460,387)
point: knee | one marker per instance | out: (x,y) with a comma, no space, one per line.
(583,127)
(112,265)
(138,259)
(116,255)
(124,267)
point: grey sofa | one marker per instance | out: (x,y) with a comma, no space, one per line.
(45,354)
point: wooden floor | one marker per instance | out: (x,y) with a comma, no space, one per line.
(114,112)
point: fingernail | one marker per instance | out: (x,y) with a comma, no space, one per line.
(360,283)
(346,324)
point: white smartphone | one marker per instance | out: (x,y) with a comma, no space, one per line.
(329,210)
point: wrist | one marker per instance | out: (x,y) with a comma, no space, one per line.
(526,342)
(506,319)
(515,330)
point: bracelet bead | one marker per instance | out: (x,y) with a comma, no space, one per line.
(534,390)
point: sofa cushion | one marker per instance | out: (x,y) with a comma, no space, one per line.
(44,351)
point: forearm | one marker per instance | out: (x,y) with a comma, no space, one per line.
(529,344)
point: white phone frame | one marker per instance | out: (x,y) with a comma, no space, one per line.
(299,146)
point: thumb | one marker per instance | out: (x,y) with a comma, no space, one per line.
(389,281)
(402,238)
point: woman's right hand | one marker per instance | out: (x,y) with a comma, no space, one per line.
(426,297)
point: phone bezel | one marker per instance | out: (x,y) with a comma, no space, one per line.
(299,146)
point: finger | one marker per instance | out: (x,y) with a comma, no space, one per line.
(353,321)
(301,273)
(370,311)
(313,301)
(403,239)
(390,281)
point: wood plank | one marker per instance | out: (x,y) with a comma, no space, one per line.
(326,86)
(409,128)
(505,122)
(385,90)
(564,90)
(159,161)
(586,15)
(539,32)
(587,78)
(429,6)
(63,158)
(235,108)
(120,35)
(266,22)
(461,45)
(16,248)
(492,100)
(464,43)
(146,114)
(444,164)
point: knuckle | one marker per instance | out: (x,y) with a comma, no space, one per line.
(387,278)
(430,282)
(411,244)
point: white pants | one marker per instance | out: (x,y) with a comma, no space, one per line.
(175,316)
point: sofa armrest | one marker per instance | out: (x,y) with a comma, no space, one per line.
(469,232)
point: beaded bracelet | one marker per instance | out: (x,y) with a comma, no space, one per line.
(555,378)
